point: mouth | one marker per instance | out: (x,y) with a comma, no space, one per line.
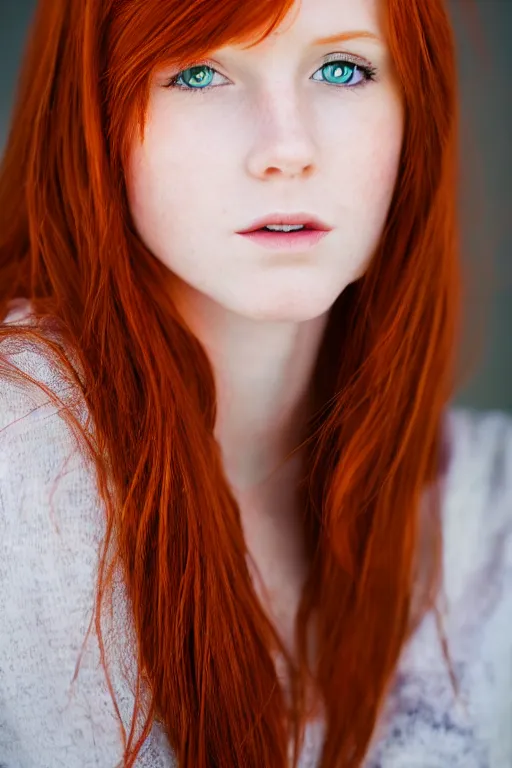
(287,221)
(294,241)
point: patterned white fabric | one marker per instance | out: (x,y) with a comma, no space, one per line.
(49,547)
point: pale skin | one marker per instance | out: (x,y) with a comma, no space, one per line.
(266,136)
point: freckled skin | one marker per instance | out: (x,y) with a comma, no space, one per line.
(267,137)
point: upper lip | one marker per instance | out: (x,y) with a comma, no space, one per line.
(312,222)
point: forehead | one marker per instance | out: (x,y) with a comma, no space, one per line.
(320,18)
(311,23)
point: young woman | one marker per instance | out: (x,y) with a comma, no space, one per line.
(240,525)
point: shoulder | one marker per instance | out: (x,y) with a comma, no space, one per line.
(50,532)
(40,461)
(35,438)
(424,716)
(52,526)
(480,441)
(477,566)
(477,499)
(47,489)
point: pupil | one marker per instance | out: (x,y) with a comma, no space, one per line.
(198,73)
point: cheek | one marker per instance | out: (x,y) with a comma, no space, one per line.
(140,194)
(369,168)
(174,206)
(167,177)
(374,163)
(151,195)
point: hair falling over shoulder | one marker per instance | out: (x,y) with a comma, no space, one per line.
(204,643)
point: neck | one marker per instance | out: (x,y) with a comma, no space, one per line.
(262,372)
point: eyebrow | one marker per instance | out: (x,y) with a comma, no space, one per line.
(344,36)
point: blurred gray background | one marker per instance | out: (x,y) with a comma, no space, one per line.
(485,71)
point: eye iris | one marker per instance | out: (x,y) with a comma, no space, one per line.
(200,73)
(347,70)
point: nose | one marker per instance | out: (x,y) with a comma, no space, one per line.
(283,143)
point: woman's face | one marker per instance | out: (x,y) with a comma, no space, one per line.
(272,129)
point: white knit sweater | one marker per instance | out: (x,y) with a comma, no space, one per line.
(49,547)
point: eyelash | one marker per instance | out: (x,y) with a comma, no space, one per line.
(369,74)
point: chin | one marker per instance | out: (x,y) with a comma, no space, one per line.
(288,309)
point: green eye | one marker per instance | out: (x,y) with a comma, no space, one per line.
(339,71)
(198,74)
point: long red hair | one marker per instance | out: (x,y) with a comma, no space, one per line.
(384,375)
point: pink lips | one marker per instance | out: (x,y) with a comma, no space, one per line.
(297,241)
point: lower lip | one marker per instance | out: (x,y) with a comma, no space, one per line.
(286,241)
